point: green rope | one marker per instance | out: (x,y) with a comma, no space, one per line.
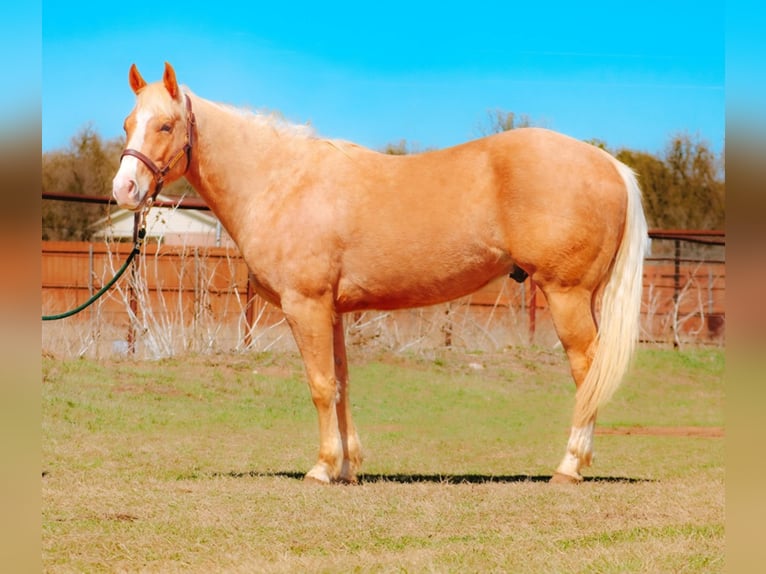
(105,288)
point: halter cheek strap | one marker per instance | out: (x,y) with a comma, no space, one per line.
(159,173)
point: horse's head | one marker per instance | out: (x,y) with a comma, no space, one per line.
(159,134)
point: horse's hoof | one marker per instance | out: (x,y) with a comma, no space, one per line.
(318,475)
(347,474)
(560,478)
(314,480)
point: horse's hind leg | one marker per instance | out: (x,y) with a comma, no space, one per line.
(572,313)
(311,321)
(352,448)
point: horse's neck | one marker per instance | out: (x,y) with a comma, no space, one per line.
(228,147)
(234,161)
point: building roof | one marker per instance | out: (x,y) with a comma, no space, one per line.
(168,225)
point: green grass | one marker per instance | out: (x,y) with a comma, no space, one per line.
(194,464)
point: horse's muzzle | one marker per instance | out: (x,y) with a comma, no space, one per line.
(126,193)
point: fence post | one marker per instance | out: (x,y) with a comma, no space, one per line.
(676,289)
(447,327)
(249,309)
(91,275)
(132,290)
(532,309)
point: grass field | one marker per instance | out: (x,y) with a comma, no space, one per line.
(194,464)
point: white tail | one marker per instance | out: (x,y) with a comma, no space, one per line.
(620,309)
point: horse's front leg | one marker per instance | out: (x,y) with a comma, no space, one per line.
(311,321)
(352,448)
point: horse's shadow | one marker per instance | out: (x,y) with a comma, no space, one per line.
(415,478)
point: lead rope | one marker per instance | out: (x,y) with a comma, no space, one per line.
(139,227)
(139,232)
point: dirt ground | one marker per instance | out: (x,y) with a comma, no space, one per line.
(699,432)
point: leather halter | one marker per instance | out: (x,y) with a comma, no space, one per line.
(159,173)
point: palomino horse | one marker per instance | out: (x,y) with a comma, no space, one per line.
(328,227)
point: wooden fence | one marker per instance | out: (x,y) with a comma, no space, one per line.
(195,298)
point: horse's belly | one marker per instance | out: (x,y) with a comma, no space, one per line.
(402,286)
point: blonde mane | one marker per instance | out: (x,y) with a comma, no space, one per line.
(272,119)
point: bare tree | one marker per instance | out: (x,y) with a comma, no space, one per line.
(684,189)
(498,121)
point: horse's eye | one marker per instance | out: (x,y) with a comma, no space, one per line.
(166,128)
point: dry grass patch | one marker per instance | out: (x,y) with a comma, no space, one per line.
(194,465)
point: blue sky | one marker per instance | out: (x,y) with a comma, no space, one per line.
(631,74)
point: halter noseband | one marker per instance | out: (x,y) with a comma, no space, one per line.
(159,173)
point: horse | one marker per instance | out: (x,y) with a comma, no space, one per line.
(328,227)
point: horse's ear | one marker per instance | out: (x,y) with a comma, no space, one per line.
(134,78)
(171,85)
